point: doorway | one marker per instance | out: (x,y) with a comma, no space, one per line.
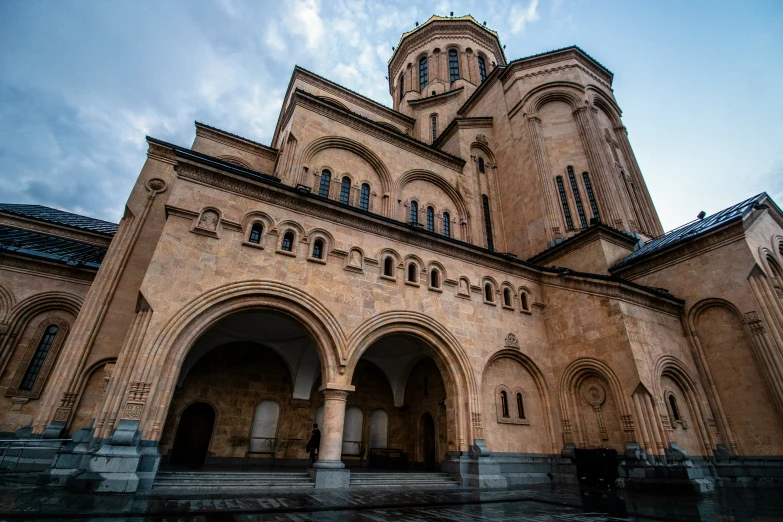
(428,441)
(194,432)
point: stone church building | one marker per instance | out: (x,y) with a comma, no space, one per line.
(474,281)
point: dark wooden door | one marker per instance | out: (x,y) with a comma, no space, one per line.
(428,442)
(194,432)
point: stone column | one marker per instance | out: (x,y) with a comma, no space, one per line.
(547,185)
(649,212)
(329,470)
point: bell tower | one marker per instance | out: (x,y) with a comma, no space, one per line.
(437,66)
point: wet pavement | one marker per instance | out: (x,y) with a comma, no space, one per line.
(531,503)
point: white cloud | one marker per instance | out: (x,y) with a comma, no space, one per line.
(303,19)
(519,16)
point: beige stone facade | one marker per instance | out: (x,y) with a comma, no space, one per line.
(364,271)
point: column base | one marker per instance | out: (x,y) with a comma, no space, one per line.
(330,478)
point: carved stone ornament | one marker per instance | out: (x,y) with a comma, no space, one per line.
(355,259)
(132,411)
(208,223)
(463,287)
(595,395)
(61,414)
(156,185)
(512,341)
(481,139)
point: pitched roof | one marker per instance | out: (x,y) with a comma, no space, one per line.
(51,248)
(60,217)
(436,18)
(693,229)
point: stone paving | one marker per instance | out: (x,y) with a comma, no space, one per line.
(22,502)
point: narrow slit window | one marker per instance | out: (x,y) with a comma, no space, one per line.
(487,222)
(434,128)
(577,197)
(345,190)
(364,197)
(564,202)
(423,75)
(523,300)
(453,66)
(39,357)
(590,195)
(412,273)
(506,297)
(481,165)
(482,68)
(446,224)
(402,86)
(488,293)
(326,179)
(255,233)
(388,268)
(504,404)
(288,241)
(318,249)
(414,215)
(520,406)
(434,279)
(431,219)
(675,409)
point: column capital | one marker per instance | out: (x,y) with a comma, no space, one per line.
(336,391)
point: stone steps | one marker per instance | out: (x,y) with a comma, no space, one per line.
(402,480)
(179,480)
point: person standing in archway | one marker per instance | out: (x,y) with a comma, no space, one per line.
(314,444)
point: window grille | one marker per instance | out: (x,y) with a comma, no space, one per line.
(326,179)
(446,224)
(364,197)
(564,201)
(40,356)
(430,219)
(345,190)
(488,222)
(318,248)
(414,217)
(590,195)
(577,198)
(288,241)
(453,66)
(482,68)
(423,74)
(255,233)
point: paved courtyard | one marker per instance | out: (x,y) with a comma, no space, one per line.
(19,501)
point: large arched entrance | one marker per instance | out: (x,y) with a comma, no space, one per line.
(258,371)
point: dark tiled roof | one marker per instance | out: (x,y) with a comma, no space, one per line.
(60,217)
(693,229)
(52,248)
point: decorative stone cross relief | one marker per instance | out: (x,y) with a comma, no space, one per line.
(512,341)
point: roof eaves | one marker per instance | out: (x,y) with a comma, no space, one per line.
(564,49)
(237,136)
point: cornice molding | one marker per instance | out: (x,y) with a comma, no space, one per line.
(430,101)
(309,205)
(570,53)
(53,229)
(39,268)
(508,80)
(458,124)
(374,129)
(582,239)
(235,141)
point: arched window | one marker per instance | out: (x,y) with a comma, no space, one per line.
(523,301)
(431,219)
(434,278)
(453,65)
(326,179)
(577,198)
(288,241)
(412,270)
(520,406)
(564,202)
(423,77)
(487,222)
(388,267)
(504,403)
(345,190)
(255,233)
(39,357)
(506,297)
(434,128)
(364,197)
(379,429)
(352,431)
(446,224)
(481,164)
(590,195)
(262,437)
(675,409)
(402,86)
(482,68)
(318,249)
(414,217)
(489,295)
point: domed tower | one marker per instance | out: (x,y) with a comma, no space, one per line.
(437,66)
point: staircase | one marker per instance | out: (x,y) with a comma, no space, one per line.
(402,480)
(193,481)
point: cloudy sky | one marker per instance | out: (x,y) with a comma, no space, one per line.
(82,83)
